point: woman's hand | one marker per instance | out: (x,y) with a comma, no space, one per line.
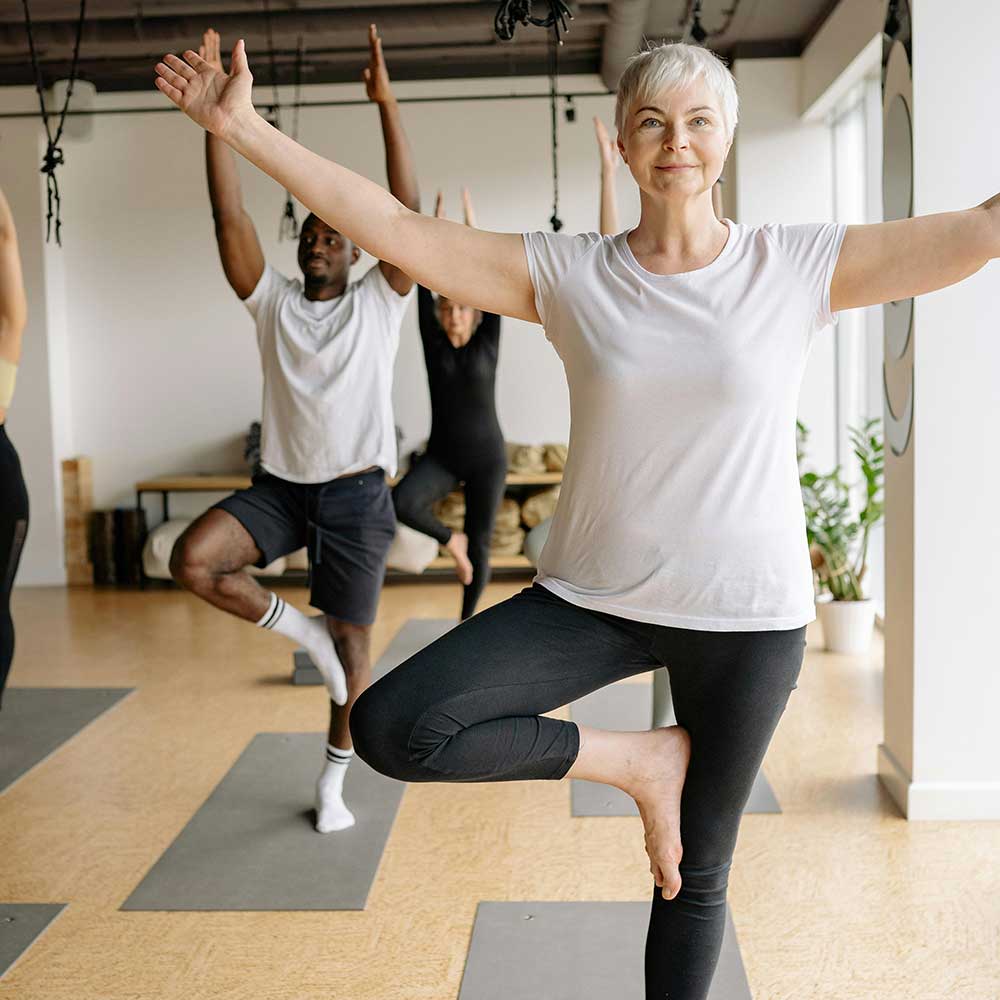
(210,49)
(609,151)
(992,207)
(376,75)
(214,100)
(470,215)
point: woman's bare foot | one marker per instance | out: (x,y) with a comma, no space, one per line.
(458,546)
(655,781)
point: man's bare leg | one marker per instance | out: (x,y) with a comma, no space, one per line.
(210,560)
(353,644)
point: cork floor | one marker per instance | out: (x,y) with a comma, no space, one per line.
(836,897)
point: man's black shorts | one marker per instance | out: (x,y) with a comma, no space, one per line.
(346,524)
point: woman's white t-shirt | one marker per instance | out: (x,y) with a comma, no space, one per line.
(680,502)
(327,407)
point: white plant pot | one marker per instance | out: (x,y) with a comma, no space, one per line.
(847,625)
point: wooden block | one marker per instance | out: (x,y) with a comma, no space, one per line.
(78,503)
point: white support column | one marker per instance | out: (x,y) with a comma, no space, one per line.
(941,755)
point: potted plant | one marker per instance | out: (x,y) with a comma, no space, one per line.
(838,534)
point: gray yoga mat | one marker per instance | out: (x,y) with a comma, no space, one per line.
(574,951)
(37,721)
(410,639)
(21,924)
(629,707)
(252,845)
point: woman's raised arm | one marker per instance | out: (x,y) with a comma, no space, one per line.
(482,269)
(893,261)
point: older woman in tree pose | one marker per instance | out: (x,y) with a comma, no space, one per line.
(680,537)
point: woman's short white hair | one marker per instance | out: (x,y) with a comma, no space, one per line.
(673,66)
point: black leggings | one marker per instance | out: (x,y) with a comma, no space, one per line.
(467,708)
(430,480)
(13,529)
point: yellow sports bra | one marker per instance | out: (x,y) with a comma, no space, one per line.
(8,376)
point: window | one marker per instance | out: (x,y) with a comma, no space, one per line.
(857,179)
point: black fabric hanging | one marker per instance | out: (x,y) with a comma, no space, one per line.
(53,152)
(509,14)
(554,43)
(289,226)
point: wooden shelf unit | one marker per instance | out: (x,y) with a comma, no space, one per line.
(165,485)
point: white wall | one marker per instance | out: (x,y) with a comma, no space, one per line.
(161,359)
(784,174)
(956,533)
(160,372)
(38,420)
(840,54)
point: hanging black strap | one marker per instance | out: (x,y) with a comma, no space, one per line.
(554,43)
(509,14)
(276,105)
(53,152)
(288,228)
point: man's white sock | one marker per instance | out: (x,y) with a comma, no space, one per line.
(331,813)
(312,634)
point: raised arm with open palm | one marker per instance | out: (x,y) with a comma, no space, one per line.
(487,270)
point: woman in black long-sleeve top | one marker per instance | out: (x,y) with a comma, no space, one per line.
(466,445)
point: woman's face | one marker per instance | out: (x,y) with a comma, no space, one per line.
(675,144)
(457,321)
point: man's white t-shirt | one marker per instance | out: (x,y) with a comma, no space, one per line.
(680,502)
(327,408)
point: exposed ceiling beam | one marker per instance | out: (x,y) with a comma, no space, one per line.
(416,22)
(622,37)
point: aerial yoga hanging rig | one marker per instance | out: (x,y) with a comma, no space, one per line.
(53,157)
(509,14)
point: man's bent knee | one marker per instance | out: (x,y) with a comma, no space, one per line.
(185,568)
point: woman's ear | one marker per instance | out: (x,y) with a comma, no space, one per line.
(355,254)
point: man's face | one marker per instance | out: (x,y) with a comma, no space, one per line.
(325,256)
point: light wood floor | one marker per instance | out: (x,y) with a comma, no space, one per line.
(837,897)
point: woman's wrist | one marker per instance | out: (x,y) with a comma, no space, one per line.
(244,130)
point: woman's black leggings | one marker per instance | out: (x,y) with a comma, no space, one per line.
(13,529)
(430,480)
(468,708)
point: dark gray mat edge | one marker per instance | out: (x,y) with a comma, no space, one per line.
(547,951)
(123,695)
(21,926)
(256,801)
